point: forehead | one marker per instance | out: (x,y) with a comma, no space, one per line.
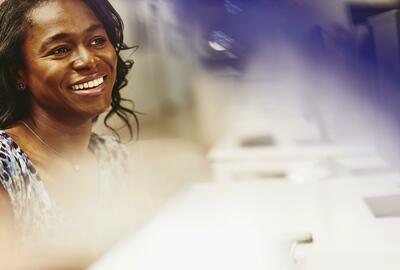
(55,16)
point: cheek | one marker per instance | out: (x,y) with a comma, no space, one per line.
(44,80)
(111,58)
(114,60)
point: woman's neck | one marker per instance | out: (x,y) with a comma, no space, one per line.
(65,136)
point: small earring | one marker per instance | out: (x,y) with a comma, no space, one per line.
(21,86)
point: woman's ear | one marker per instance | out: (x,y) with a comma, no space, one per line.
(21,79)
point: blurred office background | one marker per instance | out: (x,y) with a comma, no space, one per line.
(225,76)
(275,116)
(203,67)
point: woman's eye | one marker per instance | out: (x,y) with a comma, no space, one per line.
(59,51)
(98,41)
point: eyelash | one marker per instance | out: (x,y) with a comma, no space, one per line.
(102,41)
(97,42)
(57,51)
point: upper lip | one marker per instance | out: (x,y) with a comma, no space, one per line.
(88,79)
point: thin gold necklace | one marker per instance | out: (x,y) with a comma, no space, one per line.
(74,165)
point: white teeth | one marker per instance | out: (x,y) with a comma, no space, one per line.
(88,85)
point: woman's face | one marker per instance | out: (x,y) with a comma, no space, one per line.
(69,62)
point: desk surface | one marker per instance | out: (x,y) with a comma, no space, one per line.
(250,224)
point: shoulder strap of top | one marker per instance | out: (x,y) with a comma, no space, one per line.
(112,159)
(108,147)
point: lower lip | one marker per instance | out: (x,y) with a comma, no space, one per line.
(98,90)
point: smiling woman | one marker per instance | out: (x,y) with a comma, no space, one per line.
(59,69)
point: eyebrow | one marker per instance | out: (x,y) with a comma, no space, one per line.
(62,36)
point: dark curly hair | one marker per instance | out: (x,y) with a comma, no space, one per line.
(14,24)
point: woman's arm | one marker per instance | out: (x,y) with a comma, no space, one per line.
(7,226)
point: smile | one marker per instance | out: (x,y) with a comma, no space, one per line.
(88,85)
(91,88)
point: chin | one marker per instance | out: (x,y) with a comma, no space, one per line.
(102,110)
(92,112)
(91,107)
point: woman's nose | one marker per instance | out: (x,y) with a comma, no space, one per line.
(85,59)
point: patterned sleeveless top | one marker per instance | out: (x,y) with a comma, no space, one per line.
(34,210)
